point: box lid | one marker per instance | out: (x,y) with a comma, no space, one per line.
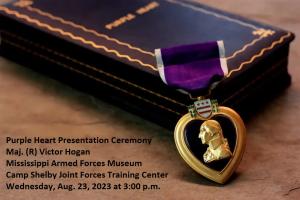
(129,33)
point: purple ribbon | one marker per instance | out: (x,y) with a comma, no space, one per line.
(192,67)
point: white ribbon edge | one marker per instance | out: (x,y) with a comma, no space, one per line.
(160,65)
(223,60)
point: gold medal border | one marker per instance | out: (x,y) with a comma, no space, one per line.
(217,176)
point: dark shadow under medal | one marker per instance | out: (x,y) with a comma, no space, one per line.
(198,149)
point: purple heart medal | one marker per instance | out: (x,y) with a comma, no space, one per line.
(210,138)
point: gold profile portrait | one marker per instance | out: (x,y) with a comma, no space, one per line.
(211,134)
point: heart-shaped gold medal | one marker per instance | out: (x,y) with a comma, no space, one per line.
(211,139)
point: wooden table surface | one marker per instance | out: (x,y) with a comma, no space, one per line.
(32,105)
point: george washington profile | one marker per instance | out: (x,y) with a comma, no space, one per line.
(212,135)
